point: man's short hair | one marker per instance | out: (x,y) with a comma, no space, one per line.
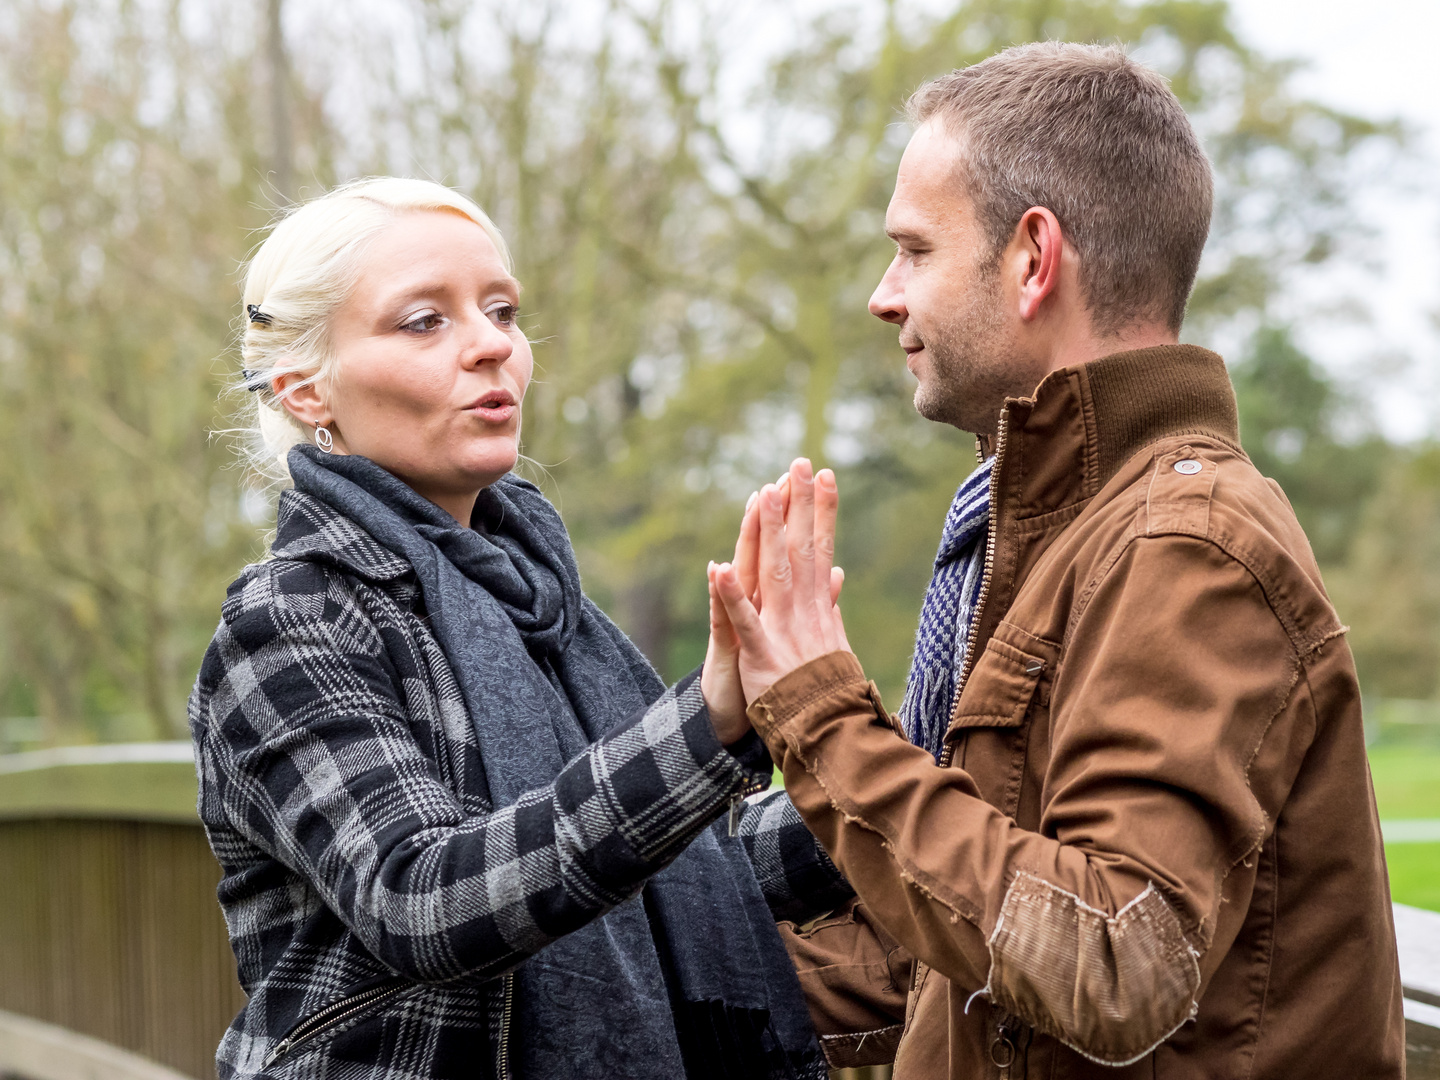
(1103,143)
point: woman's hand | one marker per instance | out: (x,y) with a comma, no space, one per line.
(720,679)
(791,615)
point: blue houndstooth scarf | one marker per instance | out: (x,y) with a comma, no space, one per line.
(950,604)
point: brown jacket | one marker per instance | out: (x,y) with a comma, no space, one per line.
(1152,847)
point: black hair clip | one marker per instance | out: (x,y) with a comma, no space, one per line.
(252,382)
(258,316)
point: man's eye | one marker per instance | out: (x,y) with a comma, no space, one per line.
(422,323)
(503,314)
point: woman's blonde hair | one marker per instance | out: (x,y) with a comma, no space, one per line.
(300,275)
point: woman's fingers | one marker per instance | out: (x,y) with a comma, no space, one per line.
(747,548)
(837,582)
(722,634)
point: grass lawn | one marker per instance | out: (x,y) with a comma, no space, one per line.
(1414,874)
(1407,785)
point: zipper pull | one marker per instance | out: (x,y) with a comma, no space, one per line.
(1004,1047)
(733,825)
(1002,1053)
(278,1051)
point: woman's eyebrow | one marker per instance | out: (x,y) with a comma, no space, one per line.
(433,288)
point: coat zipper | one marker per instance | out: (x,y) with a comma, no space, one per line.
(332,1015)
(502,1052)
(732,824)
(947,755)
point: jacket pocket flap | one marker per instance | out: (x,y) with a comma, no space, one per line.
(999,689)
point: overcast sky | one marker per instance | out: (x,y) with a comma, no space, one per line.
(1378,58)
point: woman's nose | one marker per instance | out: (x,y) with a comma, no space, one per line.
(487,342)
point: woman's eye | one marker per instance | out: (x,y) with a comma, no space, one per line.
(422,323)
(503,314)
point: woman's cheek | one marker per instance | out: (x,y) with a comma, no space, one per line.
(525,368)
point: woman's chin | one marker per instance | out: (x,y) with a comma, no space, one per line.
(487,468)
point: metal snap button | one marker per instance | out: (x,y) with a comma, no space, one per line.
(1188,466)
(1034,667)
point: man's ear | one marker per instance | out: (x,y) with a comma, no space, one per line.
(1039,244)
(306,402)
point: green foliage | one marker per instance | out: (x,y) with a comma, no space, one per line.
(698,228)
(118,240)
(1389,590)
(1290,416)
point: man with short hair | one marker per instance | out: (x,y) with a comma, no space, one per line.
(1124,826)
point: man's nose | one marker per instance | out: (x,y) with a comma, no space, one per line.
(888,300)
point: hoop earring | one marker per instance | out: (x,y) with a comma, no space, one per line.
(324,440)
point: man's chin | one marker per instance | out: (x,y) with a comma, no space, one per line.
(932,406)
(942,409)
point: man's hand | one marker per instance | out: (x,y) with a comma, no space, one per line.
(790,616)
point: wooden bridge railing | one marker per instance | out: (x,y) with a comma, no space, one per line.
(108,920)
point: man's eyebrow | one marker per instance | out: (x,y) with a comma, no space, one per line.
(900,236)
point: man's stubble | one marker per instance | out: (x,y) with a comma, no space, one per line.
(973,364)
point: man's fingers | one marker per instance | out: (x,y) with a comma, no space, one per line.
(827,505)
(800,531)
(775,577)
(743,617)
(841,641)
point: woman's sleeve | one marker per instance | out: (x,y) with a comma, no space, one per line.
(307,750)
(797,877)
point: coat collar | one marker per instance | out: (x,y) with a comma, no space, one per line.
(309,530)
(1062,445)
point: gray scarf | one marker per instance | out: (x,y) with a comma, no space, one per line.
(689,979)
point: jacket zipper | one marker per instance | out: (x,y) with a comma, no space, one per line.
(947,755)
(732,824)
(502,1052)
(1005,1050)
(332,1015)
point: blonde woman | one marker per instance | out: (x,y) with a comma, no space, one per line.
(463,825)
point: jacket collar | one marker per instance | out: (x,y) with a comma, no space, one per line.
(1060,446)
(309,530)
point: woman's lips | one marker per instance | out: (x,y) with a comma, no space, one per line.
(494,407)
(493,414)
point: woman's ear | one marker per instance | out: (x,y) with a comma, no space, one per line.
(306,403)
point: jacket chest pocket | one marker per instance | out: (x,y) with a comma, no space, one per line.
(1002,714)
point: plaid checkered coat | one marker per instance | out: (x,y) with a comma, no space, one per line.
(375,900)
